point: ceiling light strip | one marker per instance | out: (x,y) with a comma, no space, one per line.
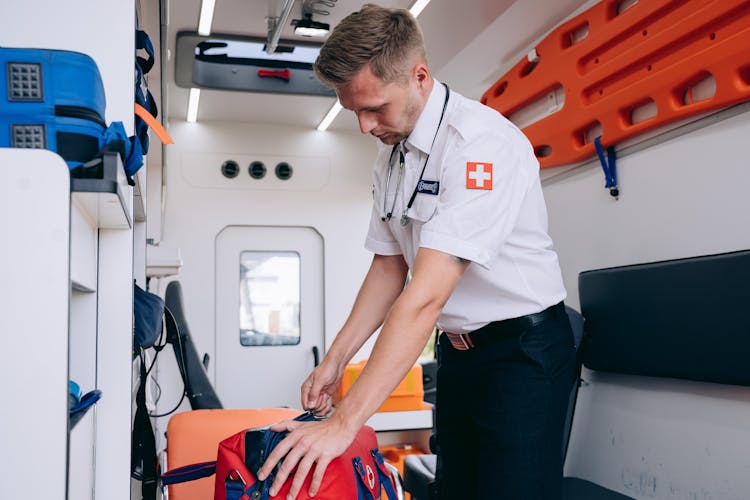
(204,29)
(207,17)
(418,7)
(192,111)
(415,10)
(328,118)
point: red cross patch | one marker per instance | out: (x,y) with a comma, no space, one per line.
(478,175)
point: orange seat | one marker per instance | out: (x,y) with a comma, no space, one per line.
(194,437)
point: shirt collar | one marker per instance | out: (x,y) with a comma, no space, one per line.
(427,123)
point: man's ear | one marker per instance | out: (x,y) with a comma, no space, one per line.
(421,74)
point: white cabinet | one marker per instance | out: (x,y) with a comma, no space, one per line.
(66,293)
(34,292)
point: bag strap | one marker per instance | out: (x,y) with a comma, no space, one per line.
(385,478)
(143,453)
(188,473)
(142,41)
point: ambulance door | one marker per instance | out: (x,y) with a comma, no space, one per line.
(269,313)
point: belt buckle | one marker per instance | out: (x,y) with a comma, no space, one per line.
(461,342)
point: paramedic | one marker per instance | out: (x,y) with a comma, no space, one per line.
(458,202)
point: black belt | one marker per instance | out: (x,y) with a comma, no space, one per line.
(497,330)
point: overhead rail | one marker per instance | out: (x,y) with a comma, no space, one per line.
(625,67)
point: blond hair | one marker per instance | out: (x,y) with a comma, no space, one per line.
(388,40)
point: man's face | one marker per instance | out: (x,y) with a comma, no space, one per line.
(388,111)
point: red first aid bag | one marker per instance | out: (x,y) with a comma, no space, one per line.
(359,473)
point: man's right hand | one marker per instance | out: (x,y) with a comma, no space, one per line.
(317,391)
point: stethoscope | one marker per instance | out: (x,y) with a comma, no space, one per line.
(387,214)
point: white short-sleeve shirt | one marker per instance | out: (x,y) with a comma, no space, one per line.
(480,198)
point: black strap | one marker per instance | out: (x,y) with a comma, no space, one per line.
(143,452)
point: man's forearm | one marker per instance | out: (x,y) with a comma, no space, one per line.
(405,332)
(382,285)
(398,346)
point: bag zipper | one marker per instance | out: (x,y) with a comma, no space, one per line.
(80,112)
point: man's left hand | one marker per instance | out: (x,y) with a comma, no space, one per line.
(307,444)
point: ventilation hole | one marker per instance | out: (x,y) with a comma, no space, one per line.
(712,36)
(230,169)
(649,67)
(500,89)
(25,82)
(283,171)
(645,32)
(257,170)
(29,136)
(601,91)
(596,60)
(543,151)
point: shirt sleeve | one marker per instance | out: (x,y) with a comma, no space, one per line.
(473,221)
(379,238)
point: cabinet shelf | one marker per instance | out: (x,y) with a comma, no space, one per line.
(103,193)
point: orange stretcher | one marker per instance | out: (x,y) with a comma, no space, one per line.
(625,68)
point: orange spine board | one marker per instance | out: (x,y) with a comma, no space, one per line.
(610,64)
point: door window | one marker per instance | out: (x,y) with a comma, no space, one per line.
(269,298)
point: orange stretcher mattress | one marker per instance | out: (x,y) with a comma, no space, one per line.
(194,436)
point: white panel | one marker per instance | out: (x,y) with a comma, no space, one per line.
(684,197)
(662,438)
(81,468)
(204,170)
(34,260)
(113,361)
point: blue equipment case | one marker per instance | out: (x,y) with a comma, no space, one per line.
(52,99)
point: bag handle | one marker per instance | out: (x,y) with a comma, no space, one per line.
(260,453)
(188,473)
(385,477)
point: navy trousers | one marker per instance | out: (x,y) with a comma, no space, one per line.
(500,414)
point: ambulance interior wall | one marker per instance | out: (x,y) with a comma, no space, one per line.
(687,196)
(335,199)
